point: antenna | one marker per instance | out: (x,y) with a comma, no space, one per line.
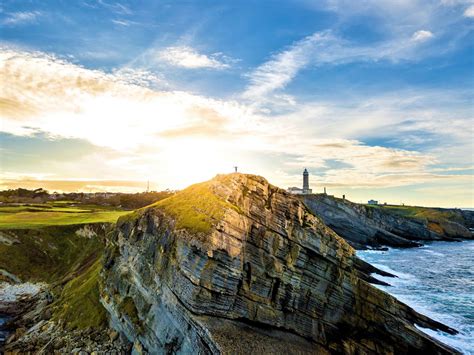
(148,186)
(235,168)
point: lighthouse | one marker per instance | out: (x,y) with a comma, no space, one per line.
(305,190)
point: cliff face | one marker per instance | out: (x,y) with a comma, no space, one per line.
(236,265)
(374,226)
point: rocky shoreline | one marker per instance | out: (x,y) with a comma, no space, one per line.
(16,300)
(30,329)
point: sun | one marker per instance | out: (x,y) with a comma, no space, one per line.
(191,160)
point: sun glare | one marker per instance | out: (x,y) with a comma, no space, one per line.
(191,160)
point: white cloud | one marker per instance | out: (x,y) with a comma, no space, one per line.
(156,133)
(125,23)
(140,77)
(40,92)
(421,36)
(318,49)
(116,7)
(469,12)
(18,18)
(187,57)
(283,67)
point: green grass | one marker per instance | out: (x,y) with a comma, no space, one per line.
(39,243)
(196,208)
(423,213)
(46,254)
(58,256)
(79,306)
(36,208)
(32,219)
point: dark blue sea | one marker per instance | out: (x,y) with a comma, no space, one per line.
(436,280)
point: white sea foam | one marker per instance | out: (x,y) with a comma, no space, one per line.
(435,280)
(461,342)
(399,274)
(433,252)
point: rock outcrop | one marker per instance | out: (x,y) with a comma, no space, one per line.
(373,226)
(236,265)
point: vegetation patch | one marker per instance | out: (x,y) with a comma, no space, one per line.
(127,307)
(41,208)
(46,254)
(43,245)
(197,208)
(425,213)
(23,220)
(435,227)
(78,306)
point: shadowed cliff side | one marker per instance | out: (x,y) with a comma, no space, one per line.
(236,265)
(397,226)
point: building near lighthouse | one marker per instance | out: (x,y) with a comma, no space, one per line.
(302,191)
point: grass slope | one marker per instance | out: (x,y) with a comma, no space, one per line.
(431,214)
(45,254)
(78,306)
(196,208)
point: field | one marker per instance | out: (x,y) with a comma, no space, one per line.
(51,214)
(431,214)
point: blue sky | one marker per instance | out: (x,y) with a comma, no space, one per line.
(375,98)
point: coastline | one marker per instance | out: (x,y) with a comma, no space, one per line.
(433,280)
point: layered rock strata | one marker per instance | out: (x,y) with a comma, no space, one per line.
(236,265)
(367,226)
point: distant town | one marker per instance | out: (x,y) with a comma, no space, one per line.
(114,199)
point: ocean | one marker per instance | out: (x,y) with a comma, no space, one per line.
(436,280)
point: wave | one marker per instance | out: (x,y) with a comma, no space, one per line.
(435,280)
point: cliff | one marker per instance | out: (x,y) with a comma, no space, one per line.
(61,264)
(397,226)
(236,265)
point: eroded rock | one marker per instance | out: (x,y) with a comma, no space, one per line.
(367,226)
(260,274)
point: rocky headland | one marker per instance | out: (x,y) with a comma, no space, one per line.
(236,265)
(397,226)
(231,265)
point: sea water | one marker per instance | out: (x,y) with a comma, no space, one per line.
(436,280)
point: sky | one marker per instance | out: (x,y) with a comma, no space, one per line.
(374,97)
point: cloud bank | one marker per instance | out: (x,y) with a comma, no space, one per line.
(176,131)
